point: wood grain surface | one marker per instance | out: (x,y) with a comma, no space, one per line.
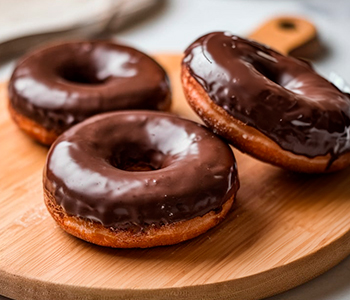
(285,229)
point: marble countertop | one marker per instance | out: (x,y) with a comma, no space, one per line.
(178,22)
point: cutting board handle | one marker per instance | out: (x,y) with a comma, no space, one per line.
(285,33)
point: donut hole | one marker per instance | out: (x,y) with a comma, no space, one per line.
(267,71)
(137,158)
(80,74)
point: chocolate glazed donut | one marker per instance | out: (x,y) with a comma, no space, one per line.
(276,108)
(54,88)
(139,179)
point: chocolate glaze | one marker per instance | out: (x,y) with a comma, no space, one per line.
(62,85)
(282,97)
(191,171)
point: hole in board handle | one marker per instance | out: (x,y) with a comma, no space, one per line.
(287,25)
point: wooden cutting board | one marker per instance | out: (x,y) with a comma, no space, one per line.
(285,229)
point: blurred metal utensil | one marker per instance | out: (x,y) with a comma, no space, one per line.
(115,15)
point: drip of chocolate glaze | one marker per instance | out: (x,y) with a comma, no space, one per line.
(282,97)
(62,85)
(189,171)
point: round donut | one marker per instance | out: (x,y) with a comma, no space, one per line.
(139,179)
(273,107)
(53,88)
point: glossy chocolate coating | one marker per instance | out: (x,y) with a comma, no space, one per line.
(62,85)
(282,97)
(190,170)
